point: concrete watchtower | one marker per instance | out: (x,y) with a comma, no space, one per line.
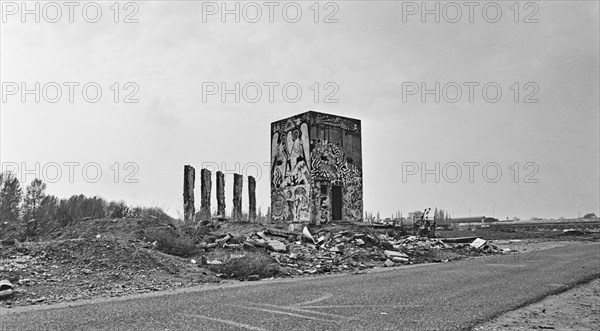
(316,169)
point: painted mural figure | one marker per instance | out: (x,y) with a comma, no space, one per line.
(301,204)
(279,209)
(294,148)
(279,160)
(299,174)
(298,145)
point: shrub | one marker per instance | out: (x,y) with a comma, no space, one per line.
(116,209)
(253,263)
(170,242)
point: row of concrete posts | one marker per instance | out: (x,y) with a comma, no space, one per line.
(189,211)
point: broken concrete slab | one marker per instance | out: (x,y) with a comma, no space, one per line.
(392,254)
(398,259)
(459,240)
(207,245)
(387,245)
(279,233)
(262,235)
(478,243)
(388,263)
(223,239)
(259,242)
(320,240)
(214,262)
(307,235)
(276,246)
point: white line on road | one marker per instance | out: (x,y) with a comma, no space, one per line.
(290,314)
(301,310)
(325,297)
(239,325)
(361,306)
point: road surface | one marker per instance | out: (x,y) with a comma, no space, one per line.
(454,295)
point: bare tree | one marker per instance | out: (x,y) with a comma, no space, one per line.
(34,195)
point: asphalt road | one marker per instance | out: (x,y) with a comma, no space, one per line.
(454,295)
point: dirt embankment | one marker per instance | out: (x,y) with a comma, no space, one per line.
(104,257)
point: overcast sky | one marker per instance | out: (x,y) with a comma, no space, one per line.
(541,132)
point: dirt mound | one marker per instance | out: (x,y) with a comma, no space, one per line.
(164,234)
(72,269)
(121,228)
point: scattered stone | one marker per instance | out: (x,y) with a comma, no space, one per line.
(8,242)
(214,262)
(6,289)
(39,300)
(24,281)
(223,239)
(388,263)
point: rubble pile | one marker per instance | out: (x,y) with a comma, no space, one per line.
(328,250)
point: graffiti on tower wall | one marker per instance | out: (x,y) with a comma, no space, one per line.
(322,201)
(290,172)
(292,204)
(331,165)
(335,121)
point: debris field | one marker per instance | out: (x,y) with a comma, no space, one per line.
(116,257)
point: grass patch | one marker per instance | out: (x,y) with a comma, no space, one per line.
(253,263)
(170,242)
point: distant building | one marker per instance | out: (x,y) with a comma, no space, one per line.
(316,169)
(414,216)
(475,219)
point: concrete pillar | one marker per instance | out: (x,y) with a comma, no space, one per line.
(205,186)
(220,194)
(238,182)
(189,177)
(251,199)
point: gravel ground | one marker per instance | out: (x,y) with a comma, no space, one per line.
(575,309)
